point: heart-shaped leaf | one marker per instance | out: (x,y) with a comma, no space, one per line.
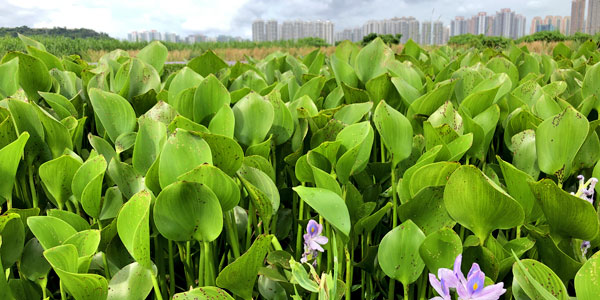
(477,203)
(186,211)
(405,240)
(183,151)
(329,205)
(395,130)
(133,225)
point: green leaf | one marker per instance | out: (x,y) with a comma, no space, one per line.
(9,74)
(329,205)
(133,225)
(91,169)
(186,78)
(154,54)
(33,264)
(538,281)
(557,142)
(226,190)
(186,211)
(149,141)
(63,260)
(515,180)
(132,282)
(395,130)
(203,293)
(227,154)
(50,231)
(477,203)
(207,63)
(440,249)
(209,98)
(10,156)
(568,216)
(589,86)
(587,280)
(302,277)
(356,142)
(406,239)
(33,74)
(115,113)
(253,119)
(372,60)
(239,277)
(183,151)
(427,210)
(13,238)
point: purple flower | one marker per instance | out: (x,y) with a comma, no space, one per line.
(313,240)
(469,288)
(442,286)
(585,191)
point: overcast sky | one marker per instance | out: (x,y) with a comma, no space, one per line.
(234,17)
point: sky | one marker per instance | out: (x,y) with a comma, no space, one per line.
(234,17)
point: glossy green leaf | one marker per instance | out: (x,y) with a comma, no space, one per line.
(10,156)
(406,238)
(225,188)
(395,130)
(183,151)
(253,119)
(203,293)
(587,281)
(154,54)
(63,260)
(115,113)
(557,143)
(568,216)
(329,205)
(132,282)
(186,211)
(133,225)
(50,231)
(440,249)
(477,203)
(239,276)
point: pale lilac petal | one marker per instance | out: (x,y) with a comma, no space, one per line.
(321,239)
(437,298)
(436,284)
(447,275)
(462,292)
(474,268)
(316,246)
(476,282)
(457,271)
(319,229)
(312,228)
(492,292)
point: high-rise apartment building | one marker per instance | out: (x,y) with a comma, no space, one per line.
(438,33)
(292,30)
(426,33)
(458,26)
(258,31)
(593,21)
(551,23)
(481,23)
(536,22)
(271,30)
(577,16)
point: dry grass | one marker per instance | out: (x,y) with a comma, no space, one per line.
(232,54)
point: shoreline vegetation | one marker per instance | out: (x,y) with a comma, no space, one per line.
(90,45)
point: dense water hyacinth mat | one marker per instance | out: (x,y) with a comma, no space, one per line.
(367,174)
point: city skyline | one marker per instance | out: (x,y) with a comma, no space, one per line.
(234,17)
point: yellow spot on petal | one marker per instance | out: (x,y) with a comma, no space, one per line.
(312,229)
(475,286)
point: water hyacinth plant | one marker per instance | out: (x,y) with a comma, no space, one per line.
(355,175)
(467,288)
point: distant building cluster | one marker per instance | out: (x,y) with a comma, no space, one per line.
(408,27)
(579,23)
(153,35)
(505,23)
(271,30)
(551,23)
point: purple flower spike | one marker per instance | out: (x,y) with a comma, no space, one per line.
(313,240)
(469,288)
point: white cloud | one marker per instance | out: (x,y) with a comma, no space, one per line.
(118,17)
